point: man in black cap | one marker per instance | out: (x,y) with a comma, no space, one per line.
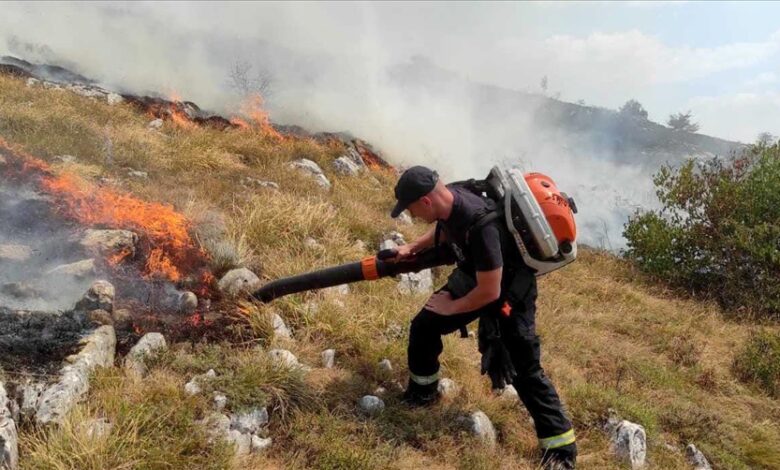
(492,283)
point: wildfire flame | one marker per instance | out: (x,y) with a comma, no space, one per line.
(171,249)
(254,110)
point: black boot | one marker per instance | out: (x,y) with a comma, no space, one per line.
(561,458)
(421,395)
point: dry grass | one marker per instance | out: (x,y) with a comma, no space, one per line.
(611,339)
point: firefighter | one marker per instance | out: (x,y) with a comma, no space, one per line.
(491,283)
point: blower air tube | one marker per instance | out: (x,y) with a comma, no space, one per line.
(370,268)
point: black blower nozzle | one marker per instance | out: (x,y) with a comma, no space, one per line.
(374,267)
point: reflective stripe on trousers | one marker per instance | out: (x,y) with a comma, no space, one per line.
(558,441)
(424,379)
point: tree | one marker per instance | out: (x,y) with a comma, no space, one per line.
(682,122)
(543,84)
(246,83)
(766,139)
(634,108)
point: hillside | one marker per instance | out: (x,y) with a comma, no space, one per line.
(610,338)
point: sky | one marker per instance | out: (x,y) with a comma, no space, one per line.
(332,68)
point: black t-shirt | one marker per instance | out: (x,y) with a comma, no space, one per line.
(483,249)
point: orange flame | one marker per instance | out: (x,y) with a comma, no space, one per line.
(172,250)
(253,109)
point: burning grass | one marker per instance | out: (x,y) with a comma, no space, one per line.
(608,334)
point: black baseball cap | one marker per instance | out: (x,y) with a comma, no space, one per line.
(414,183)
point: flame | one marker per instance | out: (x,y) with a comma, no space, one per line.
(252,107)
(171,249)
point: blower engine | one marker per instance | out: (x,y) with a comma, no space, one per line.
(538,215)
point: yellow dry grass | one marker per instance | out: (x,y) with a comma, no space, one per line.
(610,338)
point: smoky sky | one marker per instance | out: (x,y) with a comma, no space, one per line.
(416,80)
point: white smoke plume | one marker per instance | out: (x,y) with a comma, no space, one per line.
(335,67)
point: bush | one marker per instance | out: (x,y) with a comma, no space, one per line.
(759,362)
(718,232)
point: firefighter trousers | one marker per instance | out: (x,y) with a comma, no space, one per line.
(518,332)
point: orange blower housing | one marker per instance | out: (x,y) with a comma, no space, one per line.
(556,206)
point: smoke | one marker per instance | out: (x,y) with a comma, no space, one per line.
(369,69)
(32,245)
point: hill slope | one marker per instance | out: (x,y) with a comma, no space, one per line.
(610,339)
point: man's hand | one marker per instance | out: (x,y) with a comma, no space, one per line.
(402,252)
(441,303)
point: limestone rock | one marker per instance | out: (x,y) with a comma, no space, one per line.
(385,366)
(280,328)
(79,269)
(29,394)
(9,438)
(194,386)
(448,388)
(99,296)
(238,281)
(629,440)
(313,170)
(141,175)
(250,182)
(696,458)
(114,99)
(155,124)
(98,428)
(371,405)
(242,442)
(149,344)
(100,317)
(416,283)
(312,244)
(220,401)
(15,253)
(110,241)
(392,241)
(251,422)
(328,358)
(340,290)
(283,357)
(188,302)
(260,444)
(345,166)
(480,426)
(404,218)
(98,351)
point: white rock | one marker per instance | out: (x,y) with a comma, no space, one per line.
(404,218)
(340,290)
(30,394)
(241,441)
(354,155)
(142,175)
(98,428)
(79,269)
(629,440)
(66,158)
(371,405)
(98,351)
(15,252)
(217,425)
(283,357)
(508,393)
(312,244)
(149,344)
(31,82)
(248,181)
(251,422)
(260,444)
(192,387)
(696,458)
(99,296)
(480,426)
(328,358)
(416,283)
(380,391)
(220,401)
(280,328)
(114,98)
(9,438)
(448,388)
(312,169)
(392,241)
(345,166)
(155,124)
(110,241)
(238,281)
(187,302)
(210,374)
(385,365)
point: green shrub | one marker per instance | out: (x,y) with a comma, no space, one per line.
(759,362)
(718,232)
